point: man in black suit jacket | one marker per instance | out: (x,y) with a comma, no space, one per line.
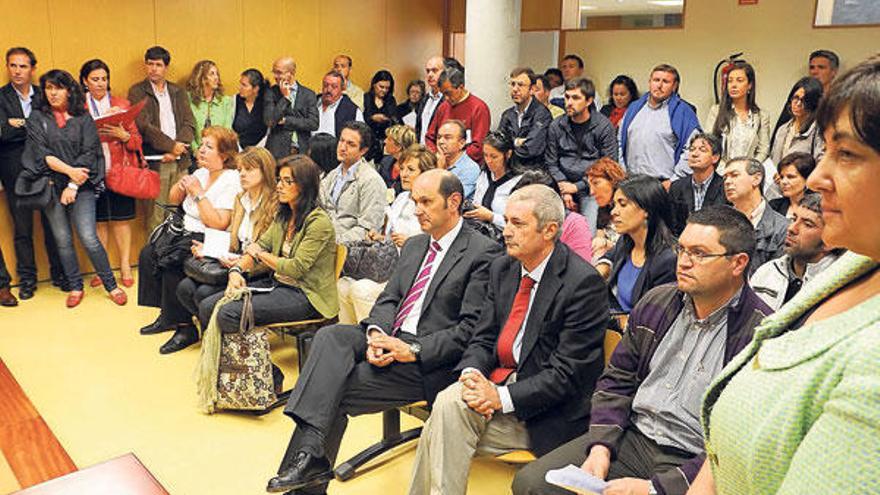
(16,100)
(527,121)
(529,371)
(405,350)
(290,111)
(703,158)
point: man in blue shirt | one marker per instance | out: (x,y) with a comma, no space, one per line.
(451,140)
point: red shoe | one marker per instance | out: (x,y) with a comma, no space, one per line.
(127,282)
(74,298)
(118,296)
(95,282)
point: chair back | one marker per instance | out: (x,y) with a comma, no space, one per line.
(612,338)
(341,253)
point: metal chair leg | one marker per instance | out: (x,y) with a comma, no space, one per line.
(391,438)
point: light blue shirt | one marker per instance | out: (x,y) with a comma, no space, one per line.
(25,101)
(341,179)
(467,171)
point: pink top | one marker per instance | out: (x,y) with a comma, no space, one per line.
(577,236)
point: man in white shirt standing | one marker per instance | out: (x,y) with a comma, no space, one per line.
(433,68)
(335,108)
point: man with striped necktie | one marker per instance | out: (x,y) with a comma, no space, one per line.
(405,350)
(527,375)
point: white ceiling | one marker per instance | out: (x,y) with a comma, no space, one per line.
(629,7)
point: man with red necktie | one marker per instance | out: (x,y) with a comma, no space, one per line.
(528,373)
(405,350)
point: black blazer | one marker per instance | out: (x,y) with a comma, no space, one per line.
(11,138)
(562,347)
(659,269)
(301,118)
(452,304)
(681,192)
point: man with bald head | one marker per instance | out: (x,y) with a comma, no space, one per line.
(433,68)
(405,350)
(342,64)
(291,111)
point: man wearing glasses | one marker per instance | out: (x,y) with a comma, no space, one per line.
(527,121)
(645,435)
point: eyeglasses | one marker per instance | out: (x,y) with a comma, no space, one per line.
(697,256)
(287,181)
(797,100)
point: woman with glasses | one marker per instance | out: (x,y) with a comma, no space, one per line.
(798,410)
(642,258)
(796,129)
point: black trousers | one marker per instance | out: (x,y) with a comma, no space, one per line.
(637,457)
(191,294)
(282,303)
(23,239)
(338,382)
(158,289)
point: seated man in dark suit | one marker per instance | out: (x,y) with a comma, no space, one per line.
(645,433)
(405,350)
(528,373)
(290,111)
(704,187)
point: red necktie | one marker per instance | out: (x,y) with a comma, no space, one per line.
(511,329)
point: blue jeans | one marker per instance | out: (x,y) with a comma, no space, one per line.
(79,215)
(590,210)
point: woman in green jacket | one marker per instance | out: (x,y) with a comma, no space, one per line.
(798,410)
(299,248)
(210,107)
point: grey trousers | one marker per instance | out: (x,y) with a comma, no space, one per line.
(638,457)
(453,434)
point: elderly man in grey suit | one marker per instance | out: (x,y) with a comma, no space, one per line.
(290,111)
(405,350)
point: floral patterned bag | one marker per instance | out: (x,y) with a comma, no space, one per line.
(244,380)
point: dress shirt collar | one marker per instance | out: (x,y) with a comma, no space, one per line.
(434,96)
(715,318)
(463,156)
(538,272)
(701,185)
(331,107)
(757,213)
(449,237)
(247,204)
(156,89)
(25,98)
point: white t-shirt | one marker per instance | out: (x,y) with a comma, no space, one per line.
(221,195)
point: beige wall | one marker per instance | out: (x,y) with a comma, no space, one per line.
(398,35)
(776,36)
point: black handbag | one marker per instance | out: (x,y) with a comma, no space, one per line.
(33,192)
(206,271)
(171,242)
(374,260)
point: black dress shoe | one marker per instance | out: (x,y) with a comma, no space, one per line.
(157,326)
(305,471)
(182,338)
(26,291)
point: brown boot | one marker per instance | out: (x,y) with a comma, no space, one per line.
(6,298)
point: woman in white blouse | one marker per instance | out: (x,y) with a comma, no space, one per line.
(496,181)
(356,297)
(207,198)
(743,128)
(252,214)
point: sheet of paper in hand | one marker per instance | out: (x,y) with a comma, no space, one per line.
(575,479)
(216,244)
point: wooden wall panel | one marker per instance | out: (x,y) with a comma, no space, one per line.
(540,15)
(398,35)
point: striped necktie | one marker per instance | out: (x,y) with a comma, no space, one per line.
(417,288)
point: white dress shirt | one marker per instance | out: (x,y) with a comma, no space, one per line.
(166,112)
(431,102)
(327,117)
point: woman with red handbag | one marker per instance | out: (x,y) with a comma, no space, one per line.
(122,147)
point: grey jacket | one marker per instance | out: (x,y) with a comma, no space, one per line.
(360,206)
(770,280)
(567,159)
(770,236)
(301,117)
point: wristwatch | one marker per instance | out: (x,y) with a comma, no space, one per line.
(198,197)
(651,489)
(416,349)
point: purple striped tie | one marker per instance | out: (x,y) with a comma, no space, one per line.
(417,288)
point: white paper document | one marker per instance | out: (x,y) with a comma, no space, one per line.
(216,244)
(575,479)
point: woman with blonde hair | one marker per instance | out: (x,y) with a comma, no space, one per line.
(356,297)
(207,198)
(397,138)
(252,214)
(210,107)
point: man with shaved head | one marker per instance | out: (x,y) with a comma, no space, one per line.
(291,111)
(405,350)
(433,68)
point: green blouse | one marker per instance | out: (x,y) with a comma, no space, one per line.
(310,261)
(222,112)
(798,412)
